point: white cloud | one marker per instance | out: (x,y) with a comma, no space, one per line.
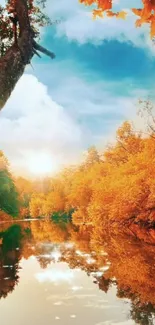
(77,24)
(33,122)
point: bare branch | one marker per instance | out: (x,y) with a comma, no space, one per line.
(43,50)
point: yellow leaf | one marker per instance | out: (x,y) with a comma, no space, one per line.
(122,15)
(97,13)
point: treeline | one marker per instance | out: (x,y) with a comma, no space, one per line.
(116,186)
(9,203)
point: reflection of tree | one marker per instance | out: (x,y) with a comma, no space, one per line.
(42,253)
(43,261)
(143,314)
(117,260)
(104,284)
(80,236)
(8,277)
(9,259)
(126,263)
(74,260)
(132,264)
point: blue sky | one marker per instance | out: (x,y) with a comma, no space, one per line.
(79,99)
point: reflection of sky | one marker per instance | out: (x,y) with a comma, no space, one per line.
(59,295)
(56,275)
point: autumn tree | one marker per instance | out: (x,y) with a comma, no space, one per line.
(147,113)
(92,156)
(36,205)
(116,189)
(54,203)
(113,188)
(25,190)
(19,22)
(46,205)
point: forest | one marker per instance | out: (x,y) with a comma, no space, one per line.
(109,189)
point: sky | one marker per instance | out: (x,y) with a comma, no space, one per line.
(61,107)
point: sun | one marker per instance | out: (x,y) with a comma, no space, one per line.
(40,164)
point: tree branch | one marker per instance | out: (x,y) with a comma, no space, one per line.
(43,50)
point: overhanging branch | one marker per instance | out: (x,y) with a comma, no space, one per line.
(43,50)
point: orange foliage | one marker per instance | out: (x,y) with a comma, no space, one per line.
(114,187)
(4,216)
(46,231)
(25,190)
(36,205)
(119,187)
(46,205)
(146,14)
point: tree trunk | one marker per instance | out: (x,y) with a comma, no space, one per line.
(13,63)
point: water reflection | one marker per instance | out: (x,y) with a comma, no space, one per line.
(9,259)
(66,276)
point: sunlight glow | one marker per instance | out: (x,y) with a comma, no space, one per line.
(41,164)
(56,255)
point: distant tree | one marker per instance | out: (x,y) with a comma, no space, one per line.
(25,190)
(8,194)
(92,156)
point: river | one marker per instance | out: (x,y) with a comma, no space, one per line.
(55,273)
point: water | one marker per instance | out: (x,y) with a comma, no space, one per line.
(58,274)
